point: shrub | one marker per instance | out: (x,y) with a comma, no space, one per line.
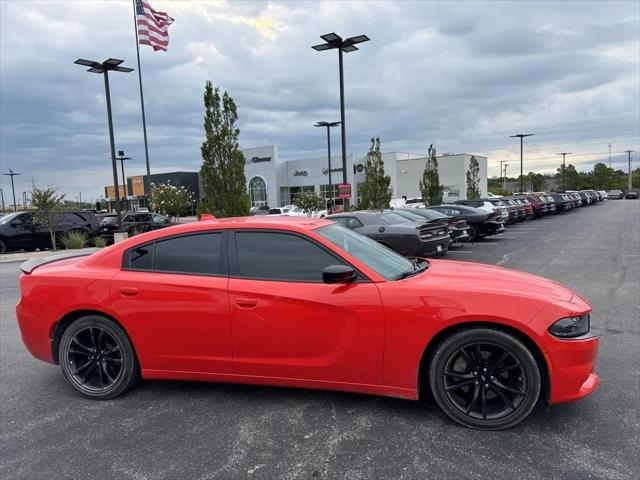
(74,239)
(100,242)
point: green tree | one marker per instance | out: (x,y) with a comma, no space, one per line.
(536,181)
(222,171)
(47,204)
(473,179)
(170,199)
(573,179)
(374,192)
(309,202)
(430,182)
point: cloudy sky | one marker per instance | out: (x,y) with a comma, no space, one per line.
(463,75)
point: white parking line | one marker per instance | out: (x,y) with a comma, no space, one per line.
(460,251)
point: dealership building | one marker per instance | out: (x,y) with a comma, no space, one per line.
(275,182)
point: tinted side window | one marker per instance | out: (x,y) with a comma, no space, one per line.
(280,256)
(141,258)
(189,254)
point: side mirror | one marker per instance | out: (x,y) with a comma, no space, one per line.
(338,274)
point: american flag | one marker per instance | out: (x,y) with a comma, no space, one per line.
(153,27)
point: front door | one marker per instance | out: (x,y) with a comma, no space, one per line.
(171,295)
(287,323)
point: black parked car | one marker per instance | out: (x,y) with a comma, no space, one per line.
(132,223)
(24,230)
(458,227)
(563,202)
(403,235)
(631,195)
(481,223)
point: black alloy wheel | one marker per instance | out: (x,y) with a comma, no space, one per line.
(97,358)
(474,233)
(3,246)
(485,379)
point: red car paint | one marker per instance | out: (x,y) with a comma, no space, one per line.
(367,337)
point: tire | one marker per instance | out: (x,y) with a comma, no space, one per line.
(3,246)
(473,233)
(100,376)
(496,393)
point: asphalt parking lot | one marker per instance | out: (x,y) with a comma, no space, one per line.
(172,430)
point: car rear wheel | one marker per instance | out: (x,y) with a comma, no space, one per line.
(97,358)
(485,379)
(3,246)
(474,233)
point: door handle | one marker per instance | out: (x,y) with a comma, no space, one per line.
(129,291)
(246,302)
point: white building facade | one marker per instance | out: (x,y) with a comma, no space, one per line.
(276,183)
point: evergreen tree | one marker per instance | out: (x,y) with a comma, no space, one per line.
(473,179)
(430,183)
(222,171)
(374,193)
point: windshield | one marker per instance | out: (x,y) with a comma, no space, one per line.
(378,258)
(109,220)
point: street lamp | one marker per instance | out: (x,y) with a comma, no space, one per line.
(329,126)
(122,159)
(13,188)
(504,176)
(348,45)
(104,67)
(564,155)
(521,136)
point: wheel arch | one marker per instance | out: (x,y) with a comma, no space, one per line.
(436,340)
(64,323)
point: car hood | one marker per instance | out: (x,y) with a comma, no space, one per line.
(469,276)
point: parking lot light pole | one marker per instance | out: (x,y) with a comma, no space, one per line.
(521,136)
(504,176)
(335,41)
(629,182)
(564,155)
(122,159)
(13,188)
(329,126)
(104,67)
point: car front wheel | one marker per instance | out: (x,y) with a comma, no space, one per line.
(485,379)
(97,358)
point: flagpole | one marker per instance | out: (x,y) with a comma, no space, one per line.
(144,120)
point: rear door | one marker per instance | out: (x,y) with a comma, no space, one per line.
(171,296)
(287,323)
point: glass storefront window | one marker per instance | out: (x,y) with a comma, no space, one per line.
(257,191)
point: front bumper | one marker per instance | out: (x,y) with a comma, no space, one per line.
(572,368)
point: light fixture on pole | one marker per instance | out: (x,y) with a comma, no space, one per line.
(104,67)
(521,136)
(564,155)
(125,185)
(13,188)
(335,41)
(329,126)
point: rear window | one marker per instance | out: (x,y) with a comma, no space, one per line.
(392,218)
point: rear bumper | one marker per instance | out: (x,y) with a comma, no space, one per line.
(36,324)
(434,246)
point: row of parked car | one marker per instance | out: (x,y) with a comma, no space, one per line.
(27,231)
(417,230)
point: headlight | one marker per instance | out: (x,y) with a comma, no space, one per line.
(570,327)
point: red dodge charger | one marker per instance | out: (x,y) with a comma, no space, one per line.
(303,302)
